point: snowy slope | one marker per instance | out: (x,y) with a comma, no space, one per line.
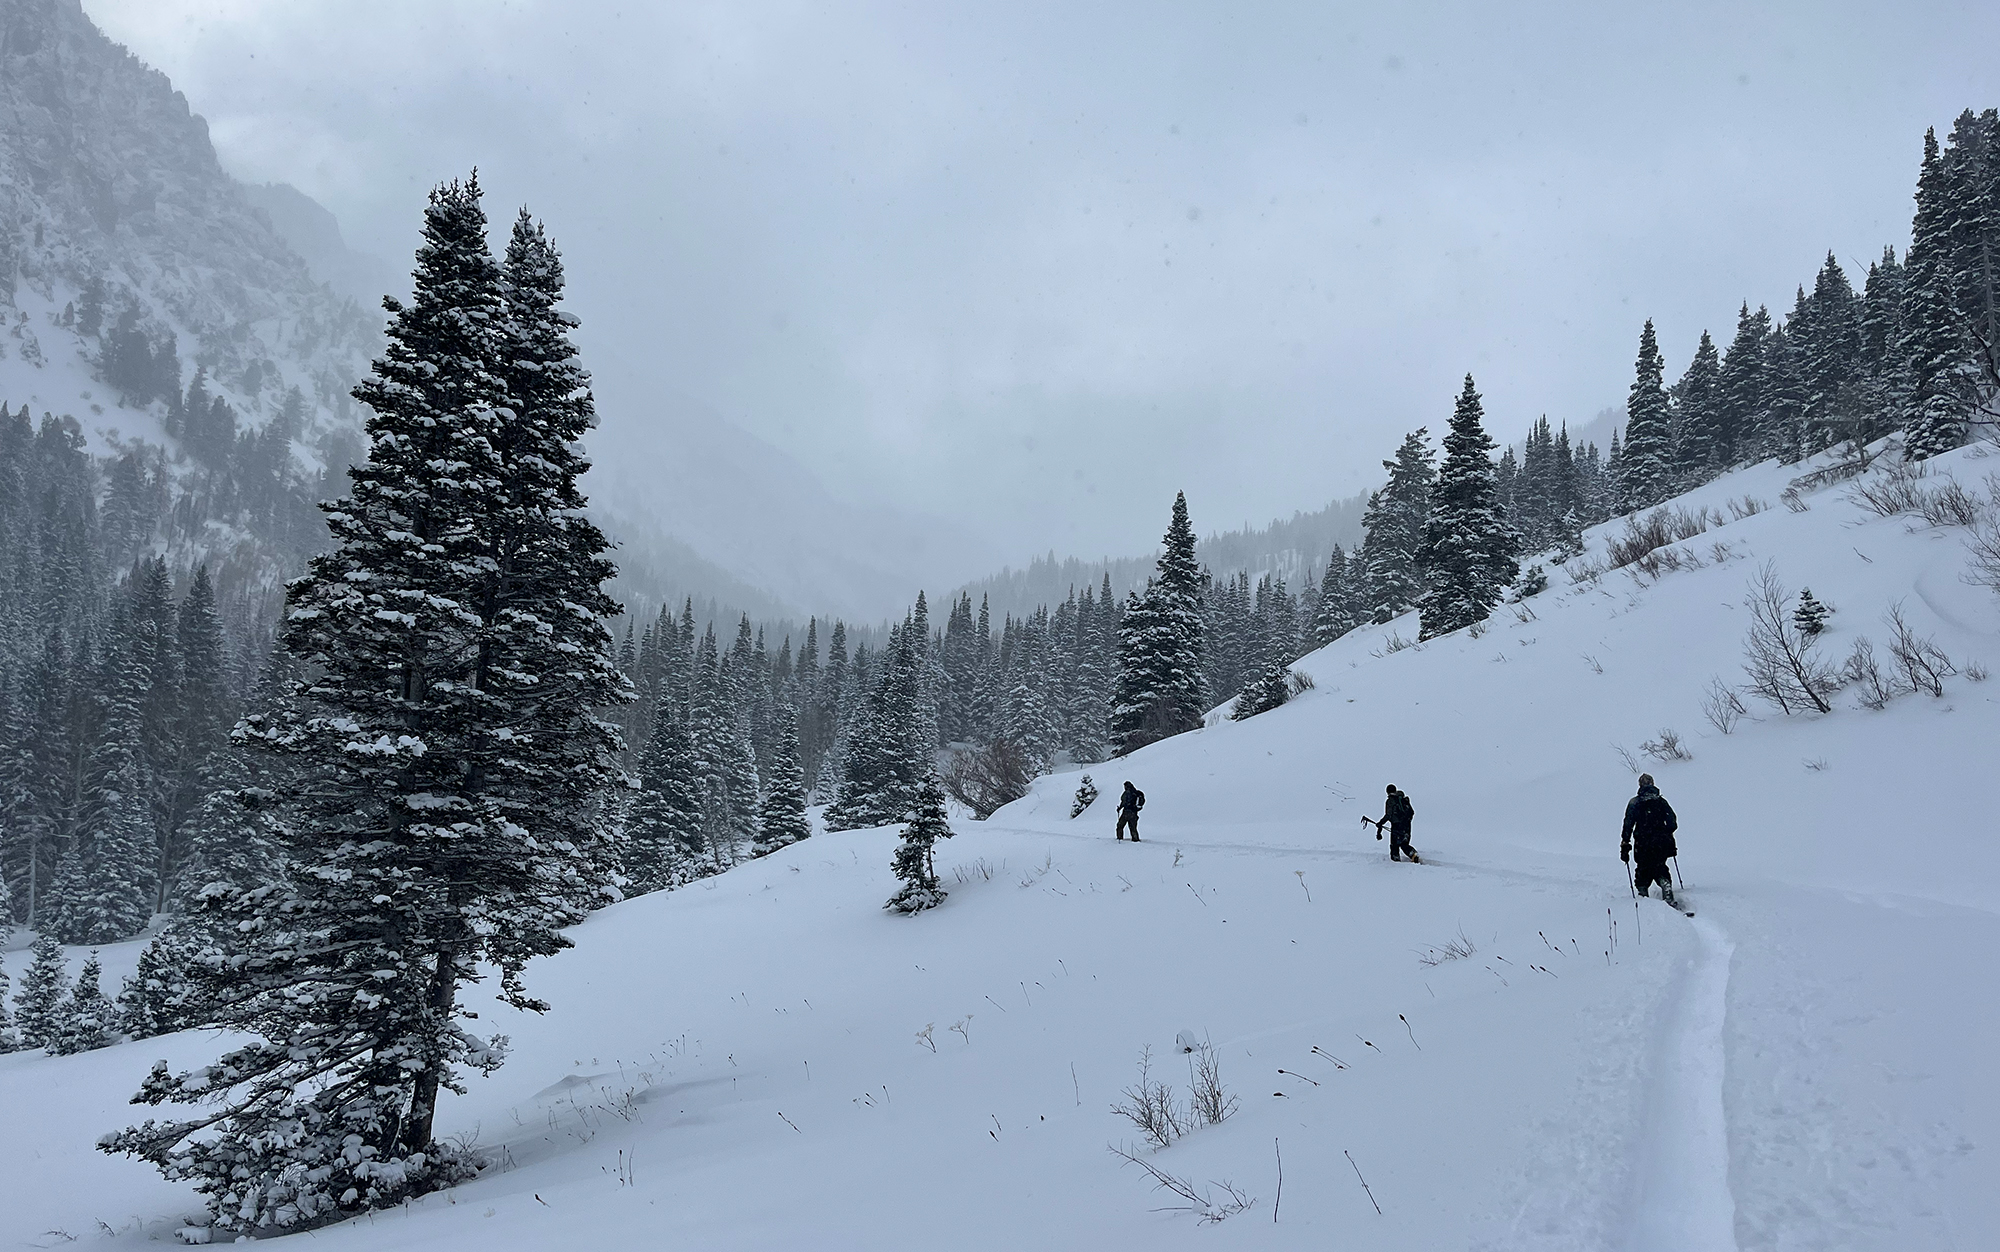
(1807,1064)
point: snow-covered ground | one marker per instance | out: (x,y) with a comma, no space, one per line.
(768,1060)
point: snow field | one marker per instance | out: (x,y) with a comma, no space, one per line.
(739,1065)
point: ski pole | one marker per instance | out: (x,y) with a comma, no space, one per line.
(1677,872)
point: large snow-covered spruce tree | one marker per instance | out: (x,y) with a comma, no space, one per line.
(1470,550)
(782,821)
(448,751)
(1646,473)
(1389,580)
(1161,688)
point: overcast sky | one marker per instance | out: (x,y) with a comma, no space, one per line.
(1038,266)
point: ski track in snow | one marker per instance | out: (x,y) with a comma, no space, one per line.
(1683,1201)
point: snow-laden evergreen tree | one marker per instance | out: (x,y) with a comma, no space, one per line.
(1271,688)
(1934,338)
(458,650)
(104,885)
(1086,795)
(1830,363)
(10,1039)
(1162,690)
(664,825)
(1698,417)
(38,1005)
(86,1020)
(887,758)
(1335,615)
(1809,618)
(1394,525)
(158,998)
(782,821)
(914,861)
(1470,552)
(1646,466)
(200,728)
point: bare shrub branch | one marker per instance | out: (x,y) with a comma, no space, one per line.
(1203,1204)
(1898,488)
(1721,706)
(1949,504)
(1210,1103)
(1920,663)
(1150,1105)
(1784,667)
(1875,690)
(983,779)
(1659,528)
(1668,747)
(1453,950)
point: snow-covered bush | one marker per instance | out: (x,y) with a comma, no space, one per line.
(1086,795)
(1272,688)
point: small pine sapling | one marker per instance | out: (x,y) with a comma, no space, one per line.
(913,862)
(1086,795)
(1810,617)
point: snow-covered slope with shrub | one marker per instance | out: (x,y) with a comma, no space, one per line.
(768,1060)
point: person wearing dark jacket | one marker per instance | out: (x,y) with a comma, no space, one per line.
(1397,814)
(1649,836)
(1129,804)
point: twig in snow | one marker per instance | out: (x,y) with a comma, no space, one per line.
(1413,1034)
(788,1121)
(1288,1073)
(1074,1086)
(1337,1062)
(996,1004)
(1364,1182)
(1280,1197)
(1197,895)
(1309,899)
(1369,1044)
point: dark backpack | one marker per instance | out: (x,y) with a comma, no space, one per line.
(1400,811)
(1654,824)
(1133,800)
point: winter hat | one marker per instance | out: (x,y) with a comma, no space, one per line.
(1645,780)
(1392,788)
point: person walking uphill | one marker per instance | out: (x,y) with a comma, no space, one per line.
(1397,814)
(1649,835)
(1129,804)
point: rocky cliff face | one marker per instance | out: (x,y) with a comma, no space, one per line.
(117,218)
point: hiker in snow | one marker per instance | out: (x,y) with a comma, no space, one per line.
(1397,814)
(1649,832)
(1129,805)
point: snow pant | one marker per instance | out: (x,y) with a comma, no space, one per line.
(1646,872)
(1399,845)
(1128,818)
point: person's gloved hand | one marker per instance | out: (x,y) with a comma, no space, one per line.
(1625,852)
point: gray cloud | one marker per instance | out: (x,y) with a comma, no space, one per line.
(1037,266)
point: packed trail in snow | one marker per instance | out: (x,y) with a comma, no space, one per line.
(1503,1049)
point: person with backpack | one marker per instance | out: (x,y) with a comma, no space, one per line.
(1129,804)
(1397,814)
(1648,835)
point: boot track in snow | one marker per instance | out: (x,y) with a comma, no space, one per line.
(1683,1201)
